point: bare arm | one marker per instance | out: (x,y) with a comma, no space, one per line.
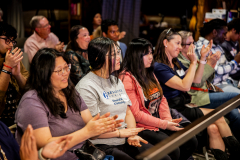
(93,128)
(185,83)
(129,119)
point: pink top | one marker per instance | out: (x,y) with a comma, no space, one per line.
(35,42)
(142,116)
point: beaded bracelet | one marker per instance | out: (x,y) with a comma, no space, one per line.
(3,70)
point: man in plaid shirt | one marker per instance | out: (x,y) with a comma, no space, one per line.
(231,46)
(216,30)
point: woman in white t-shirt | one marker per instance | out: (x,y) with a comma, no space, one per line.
(102,92)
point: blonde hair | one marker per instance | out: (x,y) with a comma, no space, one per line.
(185,35)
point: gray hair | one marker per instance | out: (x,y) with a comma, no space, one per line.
(34,23)
(185,35)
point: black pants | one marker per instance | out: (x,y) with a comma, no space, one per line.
(120,152)
(125,151)
(181,153)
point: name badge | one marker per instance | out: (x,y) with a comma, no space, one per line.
(180,72)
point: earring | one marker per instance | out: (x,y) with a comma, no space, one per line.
(165,46)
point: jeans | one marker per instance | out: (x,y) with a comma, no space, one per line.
(230,87)
(217,99)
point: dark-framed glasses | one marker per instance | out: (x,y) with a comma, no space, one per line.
(63,70)
(7,41)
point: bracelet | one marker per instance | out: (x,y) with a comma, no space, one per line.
(203,62)
(40,155)
(119,134)
(3,70)
(235,62)
(7,66)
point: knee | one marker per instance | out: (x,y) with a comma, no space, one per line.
(220,121)
(193,143)
(213,130)
(175,154)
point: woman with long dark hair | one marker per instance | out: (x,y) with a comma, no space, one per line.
(103,92)
(175,80)
(77,52)
(54,108)
(149,106)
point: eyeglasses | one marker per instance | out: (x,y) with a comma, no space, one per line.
(188,44)
(44,26)
(7,41)
(61,71)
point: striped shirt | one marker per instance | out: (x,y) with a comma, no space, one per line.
(223,68)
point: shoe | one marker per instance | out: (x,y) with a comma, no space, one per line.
(233,147)
(219,154)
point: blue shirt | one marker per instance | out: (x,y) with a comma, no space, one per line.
(163,73)
(123,47)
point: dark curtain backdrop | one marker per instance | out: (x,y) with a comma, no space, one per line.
(126,13)
(15,16)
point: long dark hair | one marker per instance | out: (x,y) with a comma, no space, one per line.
(41,70)
(159,53)
(133,63)
(97,50)
(74,32)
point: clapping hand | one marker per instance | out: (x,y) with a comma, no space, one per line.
(97,125)
(213,58)
(117,122)
(135,141)
(59,47)
(191,54)
(205,50)
(28,148)
(124,133)
(56,148)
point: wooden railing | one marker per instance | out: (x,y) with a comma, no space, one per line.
(177,139)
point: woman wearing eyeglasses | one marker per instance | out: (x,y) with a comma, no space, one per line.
(176,79)
(200,92)
(54,108)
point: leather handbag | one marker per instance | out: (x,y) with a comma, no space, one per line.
(89,152)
